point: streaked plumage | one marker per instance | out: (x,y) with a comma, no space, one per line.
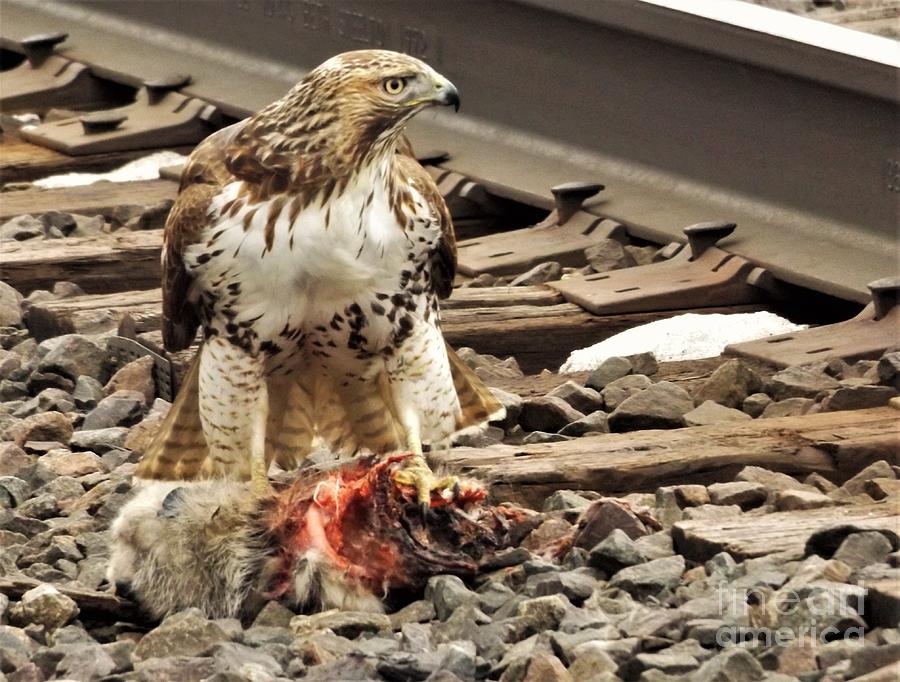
(312,249)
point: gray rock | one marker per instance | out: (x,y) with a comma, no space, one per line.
(458,658)
(513,405)
(563,500)
(64,222)
(743,494)
(349,624)
(595,422)
(601,518)
(651,577)
(575,585)
(544,272)
(857,398)
(888,370)
(186,633)
(871,658)
(38,381)
(85,663)
(419,611)
(73,355)
(585,400)
(544,437)
(591,663)
(490,366)
(544,613)
(772,481)
(799,382)
(12,390)
(615,392)
(713,413)
(174,668)
(643,363)
(21,228)
(547,414)
(732,665)
(260,635)
(608,254)
(122,408)
(9,363)
(274,614)
(10,310)
(44,605)
(859,550)
(857,484)
(793,500)
(512,556)
(447,593)
(609,370)
(614,553)
(120,653)
(730,384)
(99,440)
(14,491)
(244,660)
(88,392)
(661,406)
(790,407)
(16,648)
(493,595)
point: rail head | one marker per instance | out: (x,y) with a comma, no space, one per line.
(783,42)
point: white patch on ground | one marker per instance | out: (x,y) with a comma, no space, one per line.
(683,337)
(145,168)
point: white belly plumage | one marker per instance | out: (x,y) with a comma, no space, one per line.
(330,257)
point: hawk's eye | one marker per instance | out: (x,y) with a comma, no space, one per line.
(394,86)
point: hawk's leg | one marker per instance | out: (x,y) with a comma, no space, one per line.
(234,408)
(423,391)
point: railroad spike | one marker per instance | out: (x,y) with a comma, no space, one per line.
(101,121)
(39,47)
(158,87)
(701,236)
(570,196)
(884,295)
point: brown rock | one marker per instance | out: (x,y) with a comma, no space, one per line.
(548,414)
(880,488)
(549,531)
(74,464)
(792,500)
(604,516)
(137,375)
(585,400)
(729,384)
(691,495)
(820,483)
(710,412)
(546,668)
(12,458)
(43,426)
(799,382)
(745,495)
(141,435)
(879,469)
(857,397)
(790,407)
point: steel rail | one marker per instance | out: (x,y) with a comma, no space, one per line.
(683,117)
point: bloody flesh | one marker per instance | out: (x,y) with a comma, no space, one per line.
(370,527)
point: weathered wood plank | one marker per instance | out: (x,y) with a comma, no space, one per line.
(121,261)
(541,337)
(493,297)
(751,535)
(644,460)
(22,161)
(99,198)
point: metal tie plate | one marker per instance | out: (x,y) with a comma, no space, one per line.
(159,117)
(865,337)
(699,276)
(562,236)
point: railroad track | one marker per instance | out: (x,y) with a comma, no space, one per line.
(550,260)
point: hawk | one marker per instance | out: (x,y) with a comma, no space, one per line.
(313,250)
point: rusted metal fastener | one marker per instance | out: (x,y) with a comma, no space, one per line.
(39,47)
(570,196)
(701,236)
(884,295)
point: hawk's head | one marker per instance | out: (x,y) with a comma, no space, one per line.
(375,91)
(346,111)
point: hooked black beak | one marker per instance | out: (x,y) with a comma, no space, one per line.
(448,95)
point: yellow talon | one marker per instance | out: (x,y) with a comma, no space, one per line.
(415,472)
